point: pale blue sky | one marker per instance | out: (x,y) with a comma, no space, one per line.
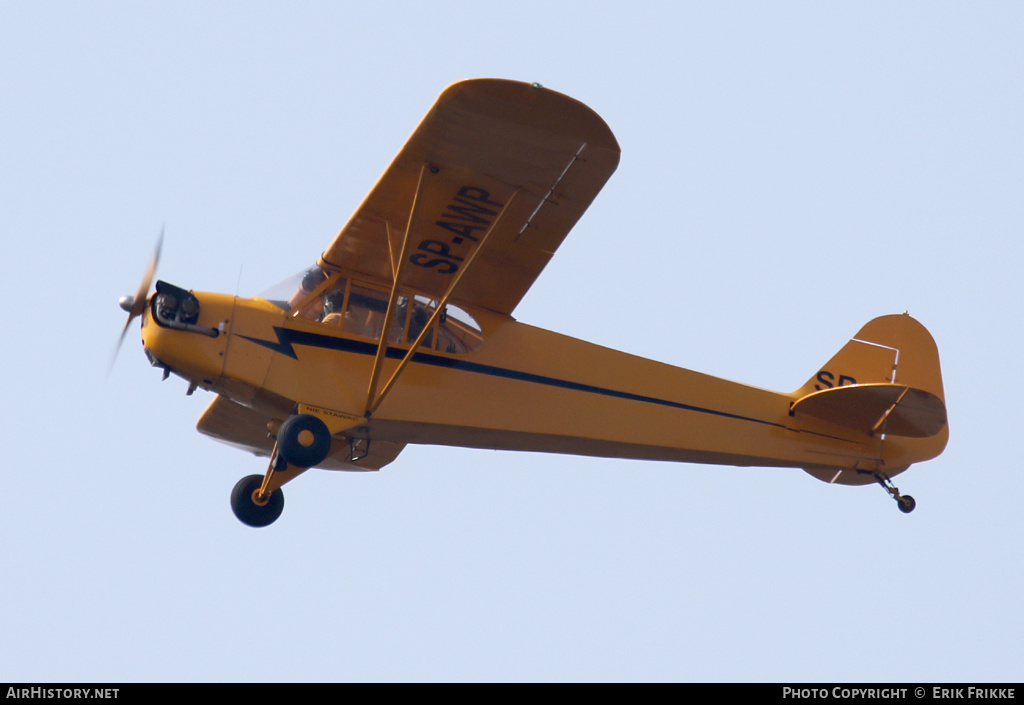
(789,171)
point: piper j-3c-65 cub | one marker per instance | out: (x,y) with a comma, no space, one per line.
(403,333)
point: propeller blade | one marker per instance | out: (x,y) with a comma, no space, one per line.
(135,305)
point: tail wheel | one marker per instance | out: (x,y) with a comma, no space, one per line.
(250,508)
(905,502)
(304,440)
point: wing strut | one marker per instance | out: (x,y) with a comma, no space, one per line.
(393,300)
(373,402)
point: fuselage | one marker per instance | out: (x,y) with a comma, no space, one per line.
(520,388)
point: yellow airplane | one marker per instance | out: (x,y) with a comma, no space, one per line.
(403,333)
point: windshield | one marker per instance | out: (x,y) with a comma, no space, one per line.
(293,290)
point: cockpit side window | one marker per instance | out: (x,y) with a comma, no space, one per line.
(365,311)
(327,305)
(359,309)
(458,331)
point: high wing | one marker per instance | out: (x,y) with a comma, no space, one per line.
(507,164)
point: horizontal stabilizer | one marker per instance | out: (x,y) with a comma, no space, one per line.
(892,409)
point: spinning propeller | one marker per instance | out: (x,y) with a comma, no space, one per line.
(135,305)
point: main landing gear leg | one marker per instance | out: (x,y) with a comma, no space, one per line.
(302,442)
(905,502)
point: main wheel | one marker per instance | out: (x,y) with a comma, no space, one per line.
(248,509)
(304,440)
(906,504)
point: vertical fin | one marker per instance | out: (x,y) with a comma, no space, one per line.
(893,349)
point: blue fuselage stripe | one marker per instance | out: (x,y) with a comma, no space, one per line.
(287,338)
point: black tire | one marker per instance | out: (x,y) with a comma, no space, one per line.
(906,504)
(301,449)
(246,509)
